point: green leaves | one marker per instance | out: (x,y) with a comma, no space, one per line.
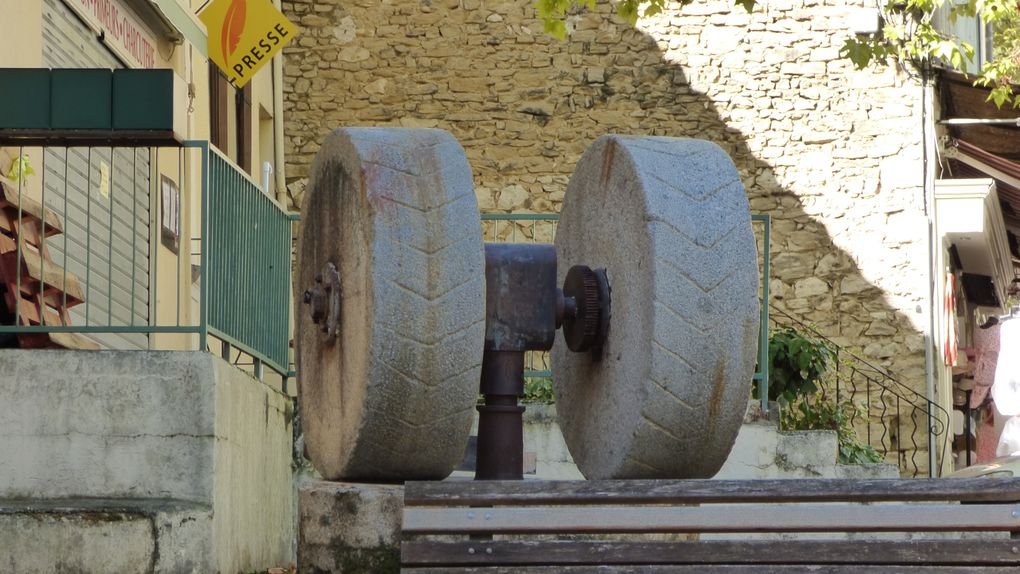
(797,365)
(539,390)
(746,4)
(20,169)
(815,412)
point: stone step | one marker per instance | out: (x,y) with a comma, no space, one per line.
(105,535)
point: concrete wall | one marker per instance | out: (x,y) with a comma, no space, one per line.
(761,451)
(252,481)
(182,427)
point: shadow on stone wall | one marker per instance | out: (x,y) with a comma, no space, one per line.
(525,107)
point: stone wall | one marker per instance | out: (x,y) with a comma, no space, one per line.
(835,155)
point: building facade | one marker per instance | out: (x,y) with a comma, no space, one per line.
(120,203)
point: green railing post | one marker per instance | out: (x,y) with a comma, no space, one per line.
(203,273)
(762,376)
(249,266)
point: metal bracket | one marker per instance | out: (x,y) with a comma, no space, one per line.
(323,300)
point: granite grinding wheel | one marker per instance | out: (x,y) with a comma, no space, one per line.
(389,392)
(668,219)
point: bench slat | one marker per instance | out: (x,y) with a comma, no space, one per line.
(567,552)
(714,569)
(720,518)
(547,493)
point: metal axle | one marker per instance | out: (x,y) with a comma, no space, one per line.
(524,308)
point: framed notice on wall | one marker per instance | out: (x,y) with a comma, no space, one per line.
(170,213)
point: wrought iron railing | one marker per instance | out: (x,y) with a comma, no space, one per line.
(139,247)
(896,420)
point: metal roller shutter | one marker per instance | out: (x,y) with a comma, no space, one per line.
(106,239)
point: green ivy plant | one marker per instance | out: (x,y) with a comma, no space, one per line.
(816,412)
(539,390)
(797,364)
(799,367)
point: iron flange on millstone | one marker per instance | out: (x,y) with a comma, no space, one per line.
(323,300)
(668,220)
(586,309)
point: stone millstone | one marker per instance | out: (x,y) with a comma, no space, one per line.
(392,397)
(668,219)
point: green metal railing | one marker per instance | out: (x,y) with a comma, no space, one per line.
(761,374)
(541,228)
(230,281)
(249,258)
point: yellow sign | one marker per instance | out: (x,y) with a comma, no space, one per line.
(244,35)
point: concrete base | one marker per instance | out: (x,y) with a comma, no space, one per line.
(762,451)
(104,451)
(348,528)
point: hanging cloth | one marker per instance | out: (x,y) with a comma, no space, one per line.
(986,348)
(949,350)
(1009,440)
(1006,388)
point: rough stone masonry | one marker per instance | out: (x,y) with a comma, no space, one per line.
(835,155)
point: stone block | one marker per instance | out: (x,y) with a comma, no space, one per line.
(349,528)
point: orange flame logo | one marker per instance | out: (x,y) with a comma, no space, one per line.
(233,27)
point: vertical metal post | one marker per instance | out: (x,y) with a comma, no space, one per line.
(180,248)
(19,237)
(155,205)
(134,227)
(109,242)
(500,419)
(966,428)
(204,257)
(42,246)
(66,232)
(764,350)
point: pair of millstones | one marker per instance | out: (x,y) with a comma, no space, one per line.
(392,307)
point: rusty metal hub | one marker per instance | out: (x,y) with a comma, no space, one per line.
(586,308)
(323,300)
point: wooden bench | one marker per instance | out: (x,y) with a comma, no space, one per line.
(543,527)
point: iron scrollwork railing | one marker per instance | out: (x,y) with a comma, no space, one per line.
(894,419)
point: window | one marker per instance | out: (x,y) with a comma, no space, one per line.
(969,29)
(230,121)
